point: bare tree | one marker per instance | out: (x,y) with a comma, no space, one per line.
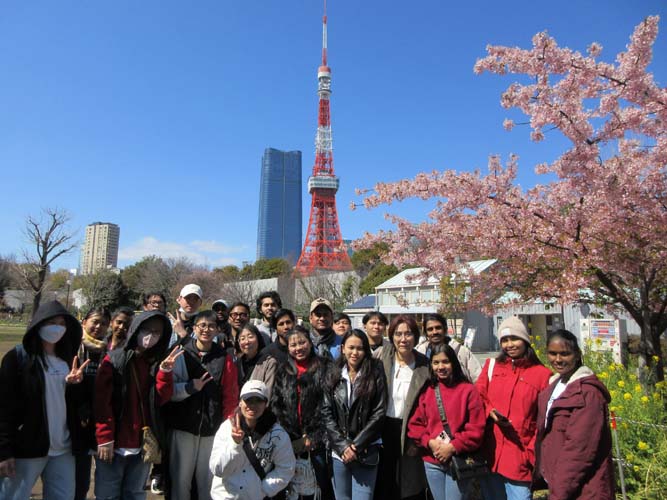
(50,239)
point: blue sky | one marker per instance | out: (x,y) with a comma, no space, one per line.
(154,114)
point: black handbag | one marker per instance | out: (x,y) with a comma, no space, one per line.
(465,465)
(370,456)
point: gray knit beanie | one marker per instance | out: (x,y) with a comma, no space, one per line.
(513,326)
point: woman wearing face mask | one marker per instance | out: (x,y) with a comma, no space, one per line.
(40,392)
(298,401)
(509,387)
(132,383)
(573,449)
(451,393)
(93,348)
(250,344)
(353,415)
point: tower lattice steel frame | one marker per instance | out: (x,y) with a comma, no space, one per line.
(323,248)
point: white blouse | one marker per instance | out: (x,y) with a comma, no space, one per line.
(400,383)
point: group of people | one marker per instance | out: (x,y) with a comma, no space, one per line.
(222,408)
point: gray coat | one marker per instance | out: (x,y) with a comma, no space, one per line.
(420,376)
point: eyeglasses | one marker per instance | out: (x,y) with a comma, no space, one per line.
(402,335)
(239,315)
(207,326)
(156,303)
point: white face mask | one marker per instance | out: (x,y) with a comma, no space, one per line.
(52,333)
(147,339)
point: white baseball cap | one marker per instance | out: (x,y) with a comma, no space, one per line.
(191,289)
(254,389)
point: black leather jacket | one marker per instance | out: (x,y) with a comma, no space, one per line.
(360,424)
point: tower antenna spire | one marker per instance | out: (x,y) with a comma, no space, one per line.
(323,248)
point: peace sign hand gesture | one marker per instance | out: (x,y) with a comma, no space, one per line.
(199,383)
(178,324)
(75,375)
(237,431)
(168,363)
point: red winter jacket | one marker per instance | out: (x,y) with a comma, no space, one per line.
(574,449)
(465,413)
(512,391)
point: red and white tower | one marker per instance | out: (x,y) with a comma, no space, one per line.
(323,248)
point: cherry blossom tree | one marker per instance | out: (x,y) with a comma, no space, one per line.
(597,223)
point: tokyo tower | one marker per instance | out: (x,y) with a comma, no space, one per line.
(323,248)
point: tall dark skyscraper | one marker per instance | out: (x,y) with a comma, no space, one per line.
(279,221)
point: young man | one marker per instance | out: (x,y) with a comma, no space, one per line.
(375,324)
(325,340)
(189,302)
(154,301)
(435,331)
(205,394)
(267,304)
(239,315)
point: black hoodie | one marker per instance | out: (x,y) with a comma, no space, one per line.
(24,430)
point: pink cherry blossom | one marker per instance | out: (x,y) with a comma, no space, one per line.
(598,222)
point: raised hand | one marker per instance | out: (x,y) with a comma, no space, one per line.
(237,431)
(199,383)
(178,324)
(168,362)
(75,375)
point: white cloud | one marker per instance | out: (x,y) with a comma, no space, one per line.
(208,253)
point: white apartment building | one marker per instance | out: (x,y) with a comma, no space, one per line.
(100,247)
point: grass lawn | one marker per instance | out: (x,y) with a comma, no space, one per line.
(10,335)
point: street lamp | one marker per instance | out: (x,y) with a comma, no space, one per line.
(69,284)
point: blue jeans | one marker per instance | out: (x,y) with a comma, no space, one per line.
(57,478)
(442,485)
(124,478)
(353,481)
(497,487)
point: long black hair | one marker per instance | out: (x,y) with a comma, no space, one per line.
(314,361)
(457,372)
(366,381)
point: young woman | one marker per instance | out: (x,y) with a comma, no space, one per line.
(121,319)
(93,349)
(250,344)
(251,430)
(406,371)
(573,449)
(509,387)
(205,394)
(353,415)
(464,412)
(38,414)
(132,383)
(298,400)
(435,332)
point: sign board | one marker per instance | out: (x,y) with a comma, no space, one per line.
(469,339)
(604,335)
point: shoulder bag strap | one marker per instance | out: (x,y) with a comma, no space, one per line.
(254,461)
(441,409)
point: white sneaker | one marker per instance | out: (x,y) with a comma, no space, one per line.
(156,486)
